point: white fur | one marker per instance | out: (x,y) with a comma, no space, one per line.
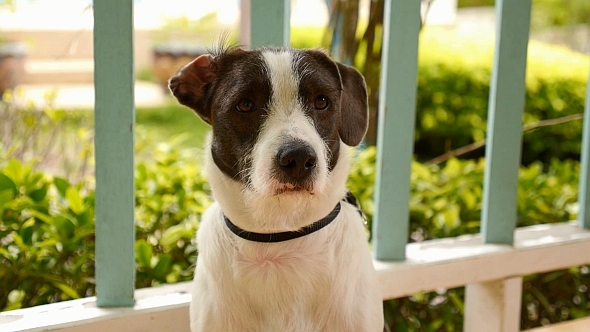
(286,121)
(324,281)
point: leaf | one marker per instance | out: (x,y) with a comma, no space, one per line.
(46,243)
(74,200)
(18,240)
(552,276)
(62,185)
(436,324)
(20,203)
(55,115)
(457,302)
(26,231)
(64,226)
(7,254)
(468,198)
(162,268)
(69,291)
(33,181)
(5,196)
(175,233)
(16,296)
(440,204)
(41,216)
(7,183)
(38,195)
(86,218)
(452,219)
(14,171)
(143,252)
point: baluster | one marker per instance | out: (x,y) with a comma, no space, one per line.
(114,125)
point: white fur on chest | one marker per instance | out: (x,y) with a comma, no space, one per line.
(290,272)
(307,284)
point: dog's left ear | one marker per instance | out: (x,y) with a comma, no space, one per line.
(190,84)
(354,106)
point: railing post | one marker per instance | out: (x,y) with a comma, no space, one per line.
(395,135)
(506,106)
(584,187)
(114,122)
(493,306)
(269,22)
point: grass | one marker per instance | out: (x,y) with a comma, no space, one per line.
(170,120)
(61,142)
(160,124)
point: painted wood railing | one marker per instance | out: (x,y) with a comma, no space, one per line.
(490,265)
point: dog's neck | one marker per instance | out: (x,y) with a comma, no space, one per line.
(254,212)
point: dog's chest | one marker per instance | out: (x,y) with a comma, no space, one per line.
(280,273)
(277,260)
(271,257)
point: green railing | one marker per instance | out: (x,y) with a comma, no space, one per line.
(114,129)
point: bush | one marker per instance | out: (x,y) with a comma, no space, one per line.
(453,86)
(446,201)
(547,13)
(46,238)
(171,194)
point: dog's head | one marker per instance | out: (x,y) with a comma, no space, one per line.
(278,115)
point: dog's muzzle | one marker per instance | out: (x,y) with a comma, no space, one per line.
(295,164)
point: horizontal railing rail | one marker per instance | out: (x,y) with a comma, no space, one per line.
(429,265)
(490,265)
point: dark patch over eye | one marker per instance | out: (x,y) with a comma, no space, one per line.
(245,105)
(321,102)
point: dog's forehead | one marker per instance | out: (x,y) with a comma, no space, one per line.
(282,66)
(284,81)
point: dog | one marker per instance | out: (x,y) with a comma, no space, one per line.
(279,249)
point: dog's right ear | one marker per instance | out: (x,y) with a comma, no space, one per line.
(190,84)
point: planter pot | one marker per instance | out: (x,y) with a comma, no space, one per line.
(169,58)
(12,65)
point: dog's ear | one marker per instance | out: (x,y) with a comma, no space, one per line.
(190,84)
(354,106)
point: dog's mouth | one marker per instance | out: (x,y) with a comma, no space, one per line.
(293,169)
(293,189)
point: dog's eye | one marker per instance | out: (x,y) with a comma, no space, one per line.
(321,103)
(245,105)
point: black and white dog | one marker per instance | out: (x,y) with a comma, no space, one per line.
(280,251)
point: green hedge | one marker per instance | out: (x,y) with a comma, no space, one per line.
(547,13)
(47,232)
(453,86)
(446,201)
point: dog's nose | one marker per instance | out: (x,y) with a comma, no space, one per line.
(297,160)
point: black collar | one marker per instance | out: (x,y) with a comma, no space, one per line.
(283,236)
